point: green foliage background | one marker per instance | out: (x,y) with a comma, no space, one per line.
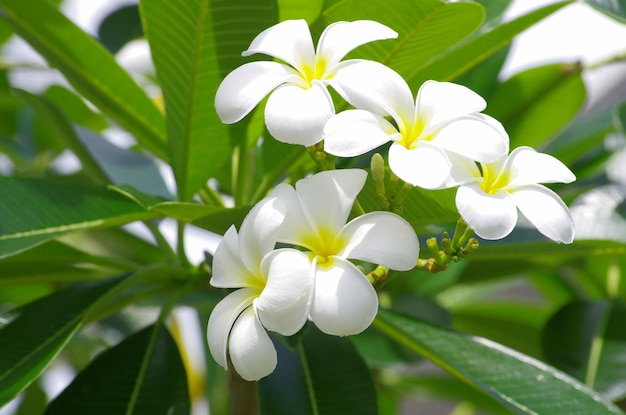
(70,274)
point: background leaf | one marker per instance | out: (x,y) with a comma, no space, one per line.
(120,27)
(613,8)
(38,331)
(520,383)
(144,375)
(89,68)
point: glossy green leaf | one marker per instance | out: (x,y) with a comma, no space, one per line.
(187,40)
(460,59)
(38,331)
(120,27)
(518,382)
(89,68)
(547,252)
(587,340)
(613,8)
(75,108)
(535,104)
(298,9)
(494,10)
(35,211)
(323,375)
(142,375)
(425,29)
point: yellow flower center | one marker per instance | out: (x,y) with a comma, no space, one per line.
(323,245)
(415,133)
(493,180)
(316,72)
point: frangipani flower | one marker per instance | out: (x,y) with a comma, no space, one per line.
(489,197)
(444,117)
(300,104)
(275,292)
(344,301)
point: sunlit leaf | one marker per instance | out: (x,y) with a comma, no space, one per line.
(612,8)
(39,330)
(518,382)
(89,68)
(297,9)
(144,374)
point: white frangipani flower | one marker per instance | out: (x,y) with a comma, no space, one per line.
(443,117)
(344,301)
(299,104)
(489,197)
(275,292)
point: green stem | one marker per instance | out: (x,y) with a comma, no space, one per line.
(210,196)
(182,255)
(270,179)
(164,246)
(612,59)
(241,172)
(613,281)
(308,379)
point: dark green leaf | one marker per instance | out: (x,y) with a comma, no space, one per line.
(324,375)
(518,382)
(547,252)
(38,331)
(425,29)
(89,68)
(35,211)
(533,105)
(120,27)
(142,375)
(494,10)
(613,8)
(587,340)
(460,59)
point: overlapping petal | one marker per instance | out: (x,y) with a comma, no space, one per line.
(229,271)
(283,306)
(297,115)
(222,319)
(527,166)
(251,350)
(546,211)
(473,137)
(354,132)
(345,302)
(289,41)
(442,102)
(425,166)
(381,238)
(246,86)
(340,38)
(491,216)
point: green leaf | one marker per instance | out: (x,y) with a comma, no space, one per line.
(518,382)
(547,252)
(324,375)
(298,9)
(535,104)
(460,59)
(587,340)
(494,10)
(120,27)
(36,210)
(142,375)
(615,9)
(39,330)
(425,29)
(187,48)
(75,108)
(89,68)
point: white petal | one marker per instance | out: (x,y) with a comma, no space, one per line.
(229,270)
(381,238)
(339,38)
(444,101)
(284,304)
(222,319)
(545,209)
(296,115)
(491,216)
(296,224)
(259,231)
(374,87)
(425,166)
(289,41)
(526,166)
(355,132)
(464,170)
(472,137)
(246,86)
(344,302)
(327,197)
(251,350)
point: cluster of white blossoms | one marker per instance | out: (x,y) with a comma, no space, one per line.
(440,139)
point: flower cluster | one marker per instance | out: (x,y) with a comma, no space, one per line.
(439,139)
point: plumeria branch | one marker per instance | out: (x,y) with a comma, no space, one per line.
(461,245)
(322,159)
(392,195)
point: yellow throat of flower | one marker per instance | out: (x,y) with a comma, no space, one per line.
(493,179)
(323,245)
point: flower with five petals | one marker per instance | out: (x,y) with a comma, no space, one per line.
(444,117)
(344,301)
(489,196)
(274,292)
(299,103)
